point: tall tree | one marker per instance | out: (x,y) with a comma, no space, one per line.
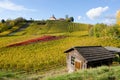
(118,17)
(66,16)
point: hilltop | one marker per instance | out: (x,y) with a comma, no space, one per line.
(22,26)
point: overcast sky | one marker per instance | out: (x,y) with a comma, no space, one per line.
(84,11)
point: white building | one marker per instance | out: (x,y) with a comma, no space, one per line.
(52,18)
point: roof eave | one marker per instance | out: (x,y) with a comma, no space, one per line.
(68,50)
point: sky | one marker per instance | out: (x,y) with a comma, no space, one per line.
(83,11)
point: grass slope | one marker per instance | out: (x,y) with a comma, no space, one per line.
(101,73)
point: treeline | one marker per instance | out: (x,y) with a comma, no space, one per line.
(103,30)
(11,24)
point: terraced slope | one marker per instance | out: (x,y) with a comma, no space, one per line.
(53,27)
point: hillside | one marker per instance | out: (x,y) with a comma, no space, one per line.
(37,28)
(9,26)
(49,55)
(50,27)
(40,57)
(63,26)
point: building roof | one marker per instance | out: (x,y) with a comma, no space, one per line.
(112,49)
(92,53)
(61,19)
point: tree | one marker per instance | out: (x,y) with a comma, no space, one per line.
(19,19)
(97,29)
(113,31)
(66,17)
(118,17)
(3,21)
(71,19)
(102,30)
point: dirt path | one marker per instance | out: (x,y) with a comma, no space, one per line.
(20,29)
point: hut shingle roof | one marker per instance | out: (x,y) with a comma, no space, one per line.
(92,53)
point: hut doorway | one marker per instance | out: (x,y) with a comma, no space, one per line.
(78,65)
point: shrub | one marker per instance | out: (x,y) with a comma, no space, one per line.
(19,19)
(112,32)
(97,29)
(102,30)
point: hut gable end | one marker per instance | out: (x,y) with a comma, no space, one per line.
(79,55)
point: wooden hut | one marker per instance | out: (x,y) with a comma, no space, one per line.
(82,57)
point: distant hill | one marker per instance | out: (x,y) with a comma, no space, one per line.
(45,27)
(37,28)
(64,26)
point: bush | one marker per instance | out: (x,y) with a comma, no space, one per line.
(97,29)
(112,32)
(19,19)
(102,30)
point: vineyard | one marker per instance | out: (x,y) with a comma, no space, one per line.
(45,46)
(53,27)
(47,55)
(40,39)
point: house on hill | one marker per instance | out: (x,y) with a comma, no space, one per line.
(61,19)
(52,18)
(87,56)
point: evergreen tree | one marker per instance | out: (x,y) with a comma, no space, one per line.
(3,21)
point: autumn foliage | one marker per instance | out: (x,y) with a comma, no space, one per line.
(40,39)
(118,17)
